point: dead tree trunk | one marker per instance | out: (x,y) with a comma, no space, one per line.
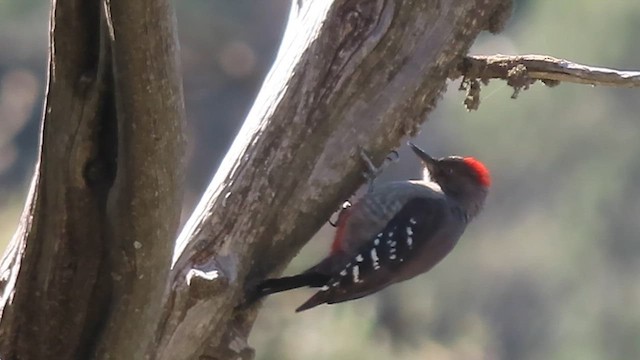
(96,237)
(89,272)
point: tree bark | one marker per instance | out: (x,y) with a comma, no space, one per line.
(349,75)
(95,240)
(88,273)
(521,71)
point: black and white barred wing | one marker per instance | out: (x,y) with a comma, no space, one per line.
(379,261)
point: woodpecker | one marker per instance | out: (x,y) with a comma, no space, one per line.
(395,232)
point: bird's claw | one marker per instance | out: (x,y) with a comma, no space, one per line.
(372,171)
(345,205)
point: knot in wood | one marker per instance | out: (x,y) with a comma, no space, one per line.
(357,18)
(352,21)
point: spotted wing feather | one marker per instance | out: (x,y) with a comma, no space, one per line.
(373,265)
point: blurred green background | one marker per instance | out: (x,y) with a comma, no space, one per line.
(550,270)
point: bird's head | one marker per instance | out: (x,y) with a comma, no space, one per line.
(465,179)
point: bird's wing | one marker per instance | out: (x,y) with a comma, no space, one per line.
(376,262)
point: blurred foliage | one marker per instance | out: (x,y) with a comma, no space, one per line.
(549,271)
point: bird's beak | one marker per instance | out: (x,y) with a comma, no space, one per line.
(428,161)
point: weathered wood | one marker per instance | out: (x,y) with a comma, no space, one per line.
(55,258)
(88,273)
(75,264)
(544,68)
(521,71)
(349,74)
(145,202)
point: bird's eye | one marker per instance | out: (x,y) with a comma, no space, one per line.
(448,171)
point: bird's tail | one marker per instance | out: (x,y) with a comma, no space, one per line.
(272,286)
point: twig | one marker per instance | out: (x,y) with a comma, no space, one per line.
(520,71)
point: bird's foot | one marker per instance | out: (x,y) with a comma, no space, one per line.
(372,171)
(345,205)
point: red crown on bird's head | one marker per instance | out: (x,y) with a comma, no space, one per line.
(484,177)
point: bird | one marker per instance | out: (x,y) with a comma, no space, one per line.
(396,231)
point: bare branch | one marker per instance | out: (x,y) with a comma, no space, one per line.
(112,134)
(349,74)
(545,68)
(55,291)
(87,275)
(144,204)
(521,71)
